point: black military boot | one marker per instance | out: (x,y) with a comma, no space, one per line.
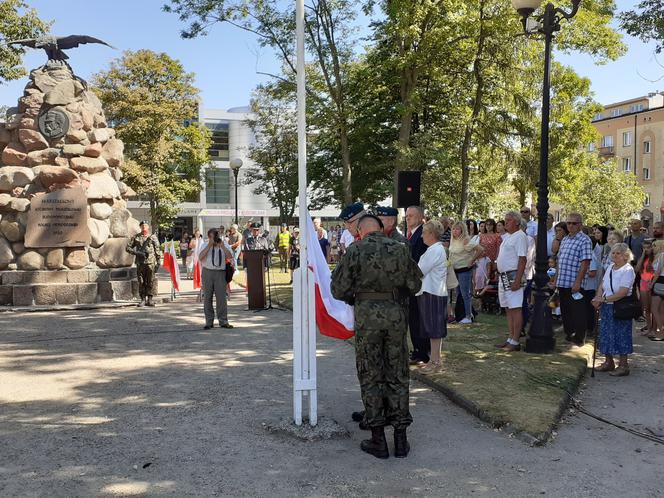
(357,416)
(377,445)
(401,446)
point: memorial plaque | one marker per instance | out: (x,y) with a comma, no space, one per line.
(58,219)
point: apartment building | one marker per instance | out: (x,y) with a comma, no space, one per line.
(215,205)
(632,132)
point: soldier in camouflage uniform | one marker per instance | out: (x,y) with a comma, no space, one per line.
(148,254)
(388,215)
(371,276)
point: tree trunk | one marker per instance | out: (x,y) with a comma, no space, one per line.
(477,108)
(154,222)
(346,181)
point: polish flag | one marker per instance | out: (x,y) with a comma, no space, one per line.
(171,264)
(333,317)
(197,263)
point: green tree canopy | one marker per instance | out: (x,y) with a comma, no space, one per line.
(646,22)
(600,192)
(17,21)
(152,102)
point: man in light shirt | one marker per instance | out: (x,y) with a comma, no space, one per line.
(511,262)
(550,234)
(213,258)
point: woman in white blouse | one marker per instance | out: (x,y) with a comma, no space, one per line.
(432,298)
(615,335)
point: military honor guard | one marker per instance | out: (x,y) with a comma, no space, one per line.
(146,248)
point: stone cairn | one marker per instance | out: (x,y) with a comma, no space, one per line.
(86,154)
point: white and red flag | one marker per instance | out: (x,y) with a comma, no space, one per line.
(333,317)
(171,264)
(197,263)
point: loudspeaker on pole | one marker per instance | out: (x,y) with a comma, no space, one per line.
(408,188)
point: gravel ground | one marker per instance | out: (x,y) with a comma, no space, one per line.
(143,402)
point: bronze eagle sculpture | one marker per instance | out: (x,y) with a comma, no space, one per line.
(55,46)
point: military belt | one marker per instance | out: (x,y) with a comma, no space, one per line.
(376,296)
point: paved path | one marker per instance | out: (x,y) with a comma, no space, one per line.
(90,398)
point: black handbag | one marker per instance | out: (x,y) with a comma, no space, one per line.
(230,271)
(627,308)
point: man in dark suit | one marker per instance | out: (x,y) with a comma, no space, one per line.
(421,345)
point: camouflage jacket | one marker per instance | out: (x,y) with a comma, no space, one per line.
(375,264)
(146,249)
(396,235)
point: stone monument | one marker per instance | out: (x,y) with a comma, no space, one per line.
(64,222)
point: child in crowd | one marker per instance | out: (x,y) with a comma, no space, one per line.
(554,300)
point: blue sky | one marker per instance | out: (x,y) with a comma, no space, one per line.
(226,61)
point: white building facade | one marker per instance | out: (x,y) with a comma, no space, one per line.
(215,205)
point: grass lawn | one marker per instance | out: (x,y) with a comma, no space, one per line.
(505,389)
(520,390)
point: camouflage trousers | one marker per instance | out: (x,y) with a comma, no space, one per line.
(147,280)
(382,369)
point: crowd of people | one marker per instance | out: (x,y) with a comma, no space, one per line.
(406,283)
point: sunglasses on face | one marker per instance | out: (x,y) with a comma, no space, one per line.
(525,212)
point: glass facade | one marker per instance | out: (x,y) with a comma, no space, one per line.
(218,186)
(219,149)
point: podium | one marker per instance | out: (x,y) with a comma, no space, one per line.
(254,262)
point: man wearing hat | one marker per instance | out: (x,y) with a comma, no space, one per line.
(148,254)
(388,215)
(283,244)
(350,216)
(256,241)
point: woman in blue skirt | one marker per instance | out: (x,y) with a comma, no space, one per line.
(432,298)
(615,336)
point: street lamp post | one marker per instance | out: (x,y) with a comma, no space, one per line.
(235,165)
(540,336)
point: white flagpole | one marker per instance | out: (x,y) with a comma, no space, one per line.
(304,325)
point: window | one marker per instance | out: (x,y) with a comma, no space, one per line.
(646,173)
(218,151)
(646,147)
(616,112)
(627,139)
(636,108)
(598,116)
(218,189)
(591,147)
(607,141)
(646,202)
(626,164)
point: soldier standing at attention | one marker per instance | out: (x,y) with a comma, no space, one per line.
(148,254)
(388,215)
(370,277)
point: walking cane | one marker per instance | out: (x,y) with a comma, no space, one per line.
(592,371)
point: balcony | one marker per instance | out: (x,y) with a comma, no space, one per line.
(606,151)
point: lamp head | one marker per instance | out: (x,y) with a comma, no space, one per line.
(526,7)
(236,164)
